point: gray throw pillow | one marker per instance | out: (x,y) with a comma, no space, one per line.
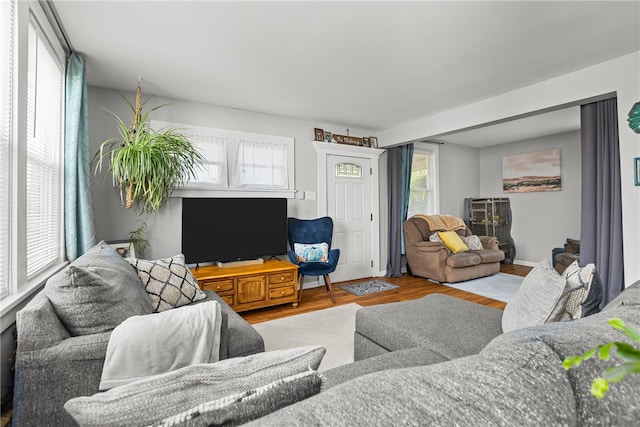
(540,299)
(168,282)
(250,404)
(584,289)
(152,400)
(97,292)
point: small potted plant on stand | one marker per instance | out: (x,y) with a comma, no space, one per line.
(147,164)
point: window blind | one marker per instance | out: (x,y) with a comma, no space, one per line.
(6,101)
(45,95)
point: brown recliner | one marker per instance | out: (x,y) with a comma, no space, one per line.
(432,260)
(571,253)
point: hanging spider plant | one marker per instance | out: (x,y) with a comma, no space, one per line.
(146,164)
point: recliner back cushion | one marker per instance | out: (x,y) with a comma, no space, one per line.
(97,292)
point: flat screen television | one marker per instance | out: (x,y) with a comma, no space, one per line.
(233,229)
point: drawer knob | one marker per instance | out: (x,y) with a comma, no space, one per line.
(281,278)
(218,287)
(281,292)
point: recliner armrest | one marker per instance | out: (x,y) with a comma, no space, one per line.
(426,246)
(490,242)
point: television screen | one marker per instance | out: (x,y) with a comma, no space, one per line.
(233,229)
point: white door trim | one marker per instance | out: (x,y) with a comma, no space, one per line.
(325,149)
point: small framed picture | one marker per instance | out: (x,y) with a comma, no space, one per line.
(124,248)
(327,136)
(373,141)
(366,141)
(636,168)
(319,133)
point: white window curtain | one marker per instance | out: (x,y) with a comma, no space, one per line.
(214,170)
(6,134)
(260,165)
(45,95)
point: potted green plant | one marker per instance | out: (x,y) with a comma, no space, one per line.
(147,164)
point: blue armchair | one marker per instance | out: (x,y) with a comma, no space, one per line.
(310,231)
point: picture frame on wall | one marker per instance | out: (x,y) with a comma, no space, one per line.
(124,248)
(319,134)
(373,141)
(327,136)
(636,168)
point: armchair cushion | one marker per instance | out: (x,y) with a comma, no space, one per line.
(97,292)
(312,252)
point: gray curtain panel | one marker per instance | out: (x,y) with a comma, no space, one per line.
(601,219)
(394,185)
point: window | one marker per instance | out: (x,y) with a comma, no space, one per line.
(423,186)
(239,162)
(261,165)
(6,101)
(32,233)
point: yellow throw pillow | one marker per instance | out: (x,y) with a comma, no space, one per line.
(452,240)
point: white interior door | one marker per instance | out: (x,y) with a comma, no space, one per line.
(349,204)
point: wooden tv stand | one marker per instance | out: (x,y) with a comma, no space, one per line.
(249,287)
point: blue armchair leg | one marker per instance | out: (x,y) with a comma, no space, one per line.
(327,284)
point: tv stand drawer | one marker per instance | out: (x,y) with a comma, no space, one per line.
(252,286)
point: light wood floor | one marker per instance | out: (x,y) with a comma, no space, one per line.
(409,287)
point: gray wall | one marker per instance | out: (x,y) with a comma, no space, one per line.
(541,220)
(114,221)
(459,174)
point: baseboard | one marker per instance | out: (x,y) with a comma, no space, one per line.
(526,263)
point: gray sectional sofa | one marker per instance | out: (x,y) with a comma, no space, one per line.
(54,365)
(455,373)
(433,361)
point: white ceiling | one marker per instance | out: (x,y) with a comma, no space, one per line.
(371,65)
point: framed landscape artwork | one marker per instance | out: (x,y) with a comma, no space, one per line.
(539,171)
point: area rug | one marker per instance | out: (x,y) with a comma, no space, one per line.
(500,286)
(369,287)
(332,328)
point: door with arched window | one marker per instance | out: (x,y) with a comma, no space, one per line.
(349,204)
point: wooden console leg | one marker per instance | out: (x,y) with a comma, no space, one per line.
(300,290)
(327,283)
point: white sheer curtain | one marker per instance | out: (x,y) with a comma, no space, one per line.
(260,165)
(214,170)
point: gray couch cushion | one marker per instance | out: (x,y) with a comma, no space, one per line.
(154,399)
(621,405)
(510,389)
(410,357)
(97,292)
(450,326)
(539,300)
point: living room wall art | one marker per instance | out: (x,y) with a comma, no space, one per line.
(538,171)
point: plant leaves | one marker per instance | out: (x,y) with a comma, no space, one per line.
(599,387)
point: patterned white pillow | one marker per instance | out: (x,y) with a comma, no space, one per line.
(312,252)
(584,291)
(168,282)
(540,299)
(473,242)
